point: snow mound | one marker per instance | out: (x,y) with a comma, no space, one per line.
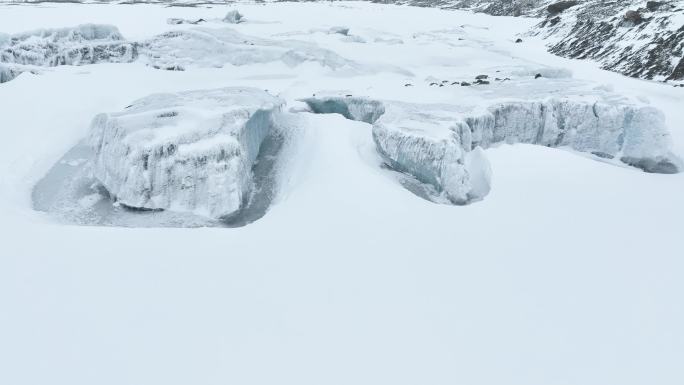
(440,144)
(84,44)
(204,47)
(185,152)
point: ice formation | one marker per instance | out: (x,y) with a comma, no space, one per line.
(84,44)
(233,17)
(441,144)
(8,73)
(185,152)
(206,47)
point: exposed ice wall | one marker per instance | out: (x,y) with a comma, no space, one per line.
(207,47)
(84,44)
(188,152)
(363,110)
(440,144)
(8,73)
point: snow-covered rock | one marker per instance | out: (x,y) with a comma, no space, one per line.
(206,47)
(233,17)
(440,144)
(187,152)
(84,44)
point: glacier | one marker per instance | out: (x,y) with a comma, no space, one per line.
(189,152)
(83,44)
(441,144)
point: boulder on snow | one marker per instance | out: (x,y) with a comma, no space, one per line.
(186,152)
(633,17)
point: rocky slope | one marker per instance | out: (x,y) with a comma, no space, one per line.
(637,38)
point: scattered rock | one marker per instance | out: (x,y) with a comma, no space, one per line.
(408,85)
(537,76)
(654,5)
(433,84)
(465,84)
(482,82)
(481,77)
(519,40)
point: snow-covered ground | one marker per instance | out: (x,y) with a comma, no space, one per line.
(568,272)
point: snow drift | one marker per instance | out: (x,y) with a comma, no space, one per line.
(186,152)
(440,144)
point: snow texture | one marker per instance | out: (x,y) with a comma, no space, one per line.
(186,152)
(440,144)
(205,47)
(84,44)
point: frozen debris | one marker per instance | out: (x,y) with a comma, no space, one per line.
(438,144)
(207,47)
(185,152)
(84,44)
(178,21)
(233,17)
(339,30)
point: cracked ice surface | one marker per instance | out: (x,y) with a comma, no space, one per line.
(440,144)
(186,152)
(83,44)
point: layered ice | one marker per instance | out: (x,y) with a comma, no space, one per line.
(206,47)
(185,152)
(83,44)
(441,144)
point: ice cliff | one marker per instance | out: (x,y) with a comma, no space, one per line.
(441,144)
(186,152)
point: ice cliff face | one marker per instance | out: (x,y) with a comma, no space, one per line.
(441,144)
(84,44)
(637,38)
(187,152)
(206,47)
